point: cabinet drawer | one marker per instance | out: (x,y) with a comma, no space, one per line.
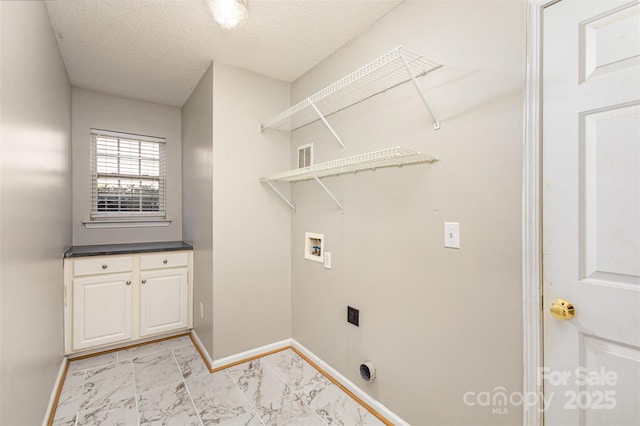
(102,265)
(164,260)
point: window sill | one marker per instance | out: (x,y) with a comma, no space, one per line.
(120,223)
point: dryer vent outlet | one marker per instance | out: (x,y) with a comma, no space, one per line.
(368,371)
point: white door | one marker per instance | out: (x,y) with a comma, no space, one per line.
(164,300)
(102,307)
(591,212)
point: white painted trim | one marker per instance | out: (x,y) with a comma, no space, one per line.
(531,217)
(365,397)
(250,353)
(201,346)
(133,223)
(240,356)
(127,343)
(123,135)
(348,384)
(54,392)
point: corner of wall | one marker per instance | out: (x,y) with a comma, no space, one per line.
(251,228)
(197,205)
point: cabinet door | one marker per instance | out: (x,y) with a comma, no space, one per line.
(164,297)
(102,307)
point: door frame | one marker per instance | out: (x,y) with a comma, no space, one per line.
(532,217)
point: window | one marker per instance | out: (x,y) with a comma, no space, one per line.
(127,176)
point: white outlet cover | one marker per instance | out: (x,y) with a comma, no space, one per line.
(327,260)
(452,235)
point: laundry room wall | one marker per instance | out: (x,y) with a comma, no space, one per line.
(437,322)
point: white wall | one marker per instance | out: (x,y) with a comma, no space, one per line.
(241,233)
(436,322)
(197,196)
(35,209)
(100,111)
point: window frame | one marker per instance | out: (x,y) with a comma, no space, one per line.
(117,218)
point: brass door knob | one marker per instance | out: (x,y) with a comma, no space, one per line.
(562,309)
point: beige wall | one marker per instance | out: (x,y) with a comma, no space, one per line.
(197,196)
(251,229)
(100,111)
(436,322)
(240,231)
(35,209)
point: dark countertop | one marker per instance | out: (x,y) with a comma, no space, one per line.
(106,249)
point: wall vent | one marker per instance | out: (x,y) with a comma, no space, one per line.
(305,156)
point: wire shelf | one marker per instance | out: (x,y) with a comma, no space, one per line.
(388,157)
(390,70)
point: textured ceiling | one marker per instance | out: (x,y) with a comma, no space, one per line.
(157,50)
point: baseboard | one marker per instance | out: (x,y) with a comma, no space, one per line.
(200,347)
(251,354)
(239,358)
(55,392)
(349,385)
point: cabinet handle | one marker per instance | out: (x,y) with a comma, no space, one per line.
(128,282)
(144,281)
(165,261)
(104,266)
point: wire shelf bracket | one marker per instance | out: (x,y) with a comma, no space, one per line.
(392,69)
(389,157)
(333,197)
(280,194)
(436,122)
(326,123)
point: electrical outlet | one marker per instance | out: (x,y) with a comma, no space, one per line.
(327,260)
(201,311)
(353,316)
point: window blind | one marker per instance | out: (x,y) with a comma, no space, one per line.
(128,175)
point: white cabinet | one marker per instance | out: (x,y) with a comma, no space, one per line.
(101,309)
(164,293)
(121,298)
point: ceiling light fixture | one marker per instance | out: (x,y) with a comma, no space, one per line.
(229,14)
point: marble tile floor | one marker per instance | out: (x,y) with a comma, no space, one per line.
(167,383)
